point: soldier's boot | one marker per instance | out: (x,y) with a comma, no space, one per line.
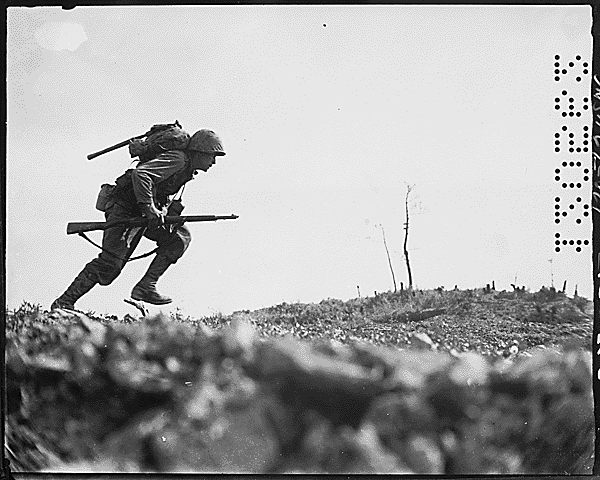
(145,289)
(78,288)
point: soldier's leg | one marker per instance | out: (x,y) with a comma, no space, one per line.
(82,284)
(171,248)
(119,243)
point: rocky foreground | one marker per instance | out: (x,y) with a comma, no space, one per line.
(436,382)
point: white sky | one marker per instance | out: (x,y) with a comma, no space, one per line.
(325,113)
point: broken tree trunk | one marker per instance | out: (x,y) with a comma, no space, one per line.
(410,279)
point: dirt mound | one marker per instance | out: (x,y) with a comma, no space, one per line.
(162,395)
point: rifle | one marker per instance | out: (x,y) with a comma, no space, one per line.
(81,227)
(155,128)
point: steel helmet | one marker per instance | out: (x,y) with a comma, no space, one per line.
(206,141)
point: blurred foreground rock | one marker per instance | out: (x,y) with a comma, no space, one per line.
(164,396)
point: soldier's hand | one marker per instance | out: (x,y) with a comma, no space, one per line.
(156,217)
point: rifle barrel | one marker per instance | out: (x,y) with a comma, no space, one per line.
(155,128)
(81,227)
(91,156)
(116,146)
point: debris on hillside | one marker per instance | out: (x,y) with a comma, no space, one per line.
(423,341)
(422,315)
(166,395)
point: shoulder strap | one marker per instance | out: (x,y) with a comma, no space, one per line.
(189,167)
(180,192)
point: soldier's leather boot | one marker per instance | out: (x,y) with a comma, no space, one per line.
(80,286)
(145,290)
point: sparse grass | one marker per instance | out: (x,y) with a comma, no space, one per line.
(581,302)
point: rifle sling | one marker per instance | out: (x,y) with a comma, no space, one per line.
(81,234)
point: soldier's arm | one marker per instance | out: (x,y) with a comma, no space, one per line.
(149,174)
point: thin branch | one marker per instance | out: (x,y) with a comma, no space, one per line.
(139,305)
(389,259)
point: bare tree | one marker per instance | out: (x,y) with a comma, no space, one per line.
(389,259)
(410,279)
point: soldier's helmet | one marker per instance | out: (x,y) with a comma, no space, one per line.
(206,141)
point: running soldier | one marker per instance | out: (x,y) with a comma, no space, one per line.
(147,190)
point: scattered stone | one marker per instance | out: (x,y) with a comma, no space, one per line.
(422,341)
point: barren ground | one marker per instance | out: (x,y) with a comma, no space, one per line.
(432,382)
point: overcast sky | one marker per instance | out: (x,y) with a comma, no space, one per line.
(325,113)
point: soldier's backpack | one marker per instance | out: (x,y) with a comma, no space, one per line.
(160,138)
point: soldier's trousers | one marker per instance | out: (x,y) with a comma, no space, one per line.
(120,242)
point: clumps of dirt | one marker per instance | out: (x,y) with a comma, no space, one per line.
(162,395)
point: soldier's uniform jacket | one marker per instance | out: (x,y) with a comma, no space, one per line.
(154,180)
